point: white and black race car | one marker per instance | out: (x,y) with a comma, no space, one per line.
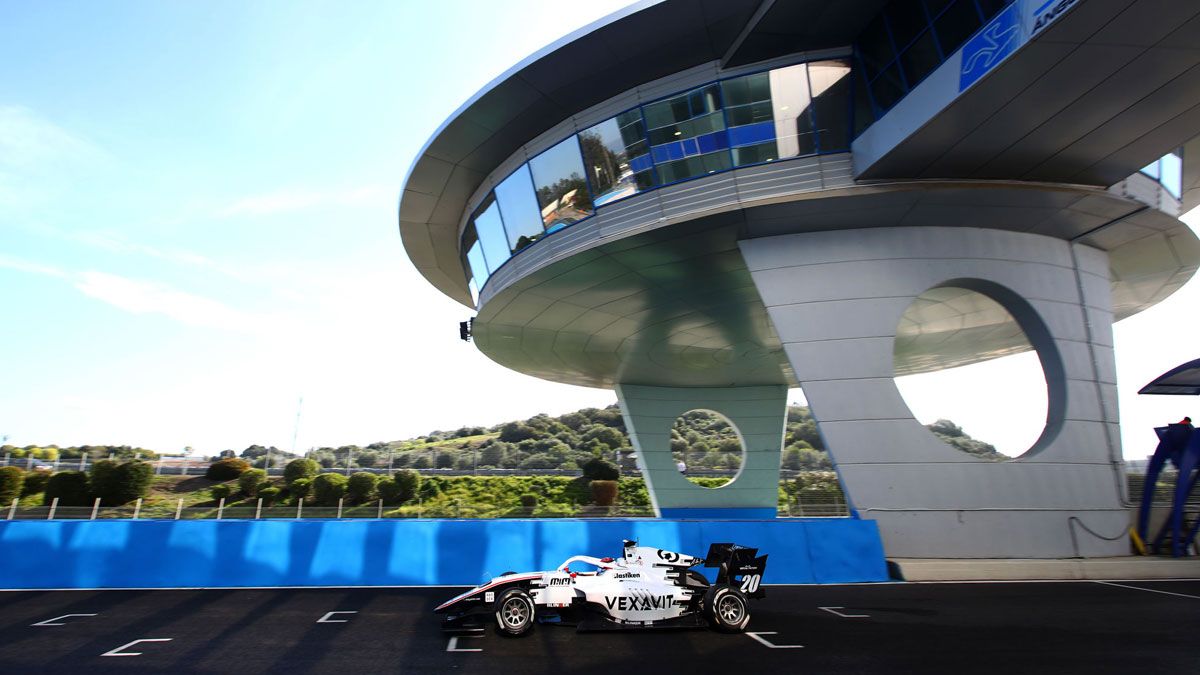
(645,588)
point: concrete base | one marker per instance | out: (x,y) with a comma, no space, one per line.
(1128,568)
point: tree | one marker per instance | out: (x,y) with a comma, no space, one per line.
(445,460)
(225,469)
(598,469)
(70,487)
(300,468)
(362,487)
(328,488)
(515,432)
(408,482)
(12,480)
(251,480)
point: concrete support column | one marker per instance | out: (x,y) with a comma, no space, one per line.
(836,299)
(758,415)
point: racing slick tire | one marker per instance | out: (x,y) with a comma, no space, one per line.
(726,609)
(515,612)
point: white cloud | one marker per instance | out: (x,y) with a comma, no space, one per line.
(294,199)
(29,142)
(149,297)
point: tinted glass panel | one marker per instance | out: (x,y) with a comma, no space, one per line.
(687,134)
(1153,170)
(562,191)
(875,47)
(991,8)
(956,24)
(863,115)
(887,88)
(1172,174)
(935,7)
(492,239)
(519,209)
(479,272)
(907,20)
(610,153)
(793,111)
(830,81)
(920,59)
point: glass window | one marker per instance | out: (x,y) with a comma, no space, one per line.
(863,114)
(830,82)
(616,157)
(957,23)
(920,58)
(562,191)
(991,8)
(479,271)
(1153,169)
(935,7)
(1172,174)
(887,88)
(875,47)
(519,209)
(492,239)
(907,20)
(687,134)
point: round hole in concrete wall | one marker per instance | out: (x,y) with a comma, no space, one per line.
(707,448)
(969,373)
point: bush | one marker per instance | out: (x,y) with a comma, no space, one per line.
(269,495)
(103,481)
(222,491)
(117,484)
(362,487)
(226,469)
(529,501)
(298,469)
(300,487)
(328,488)
(71,488)
(598,469)
(604,492)
(251,480)
(409,484)
(35,482)
(12,480)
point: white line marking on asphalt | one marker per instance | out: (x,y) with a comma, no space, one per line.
(452,646)
(50,622)
(328,618)
(833,610)
(1150,590)
(768,643)
(118,652)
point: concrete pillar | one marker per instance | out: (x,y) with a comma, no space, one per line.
(836,298)
(758,414)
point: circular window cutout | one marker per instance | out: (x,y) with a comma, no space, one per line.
(968,372)
(707,448)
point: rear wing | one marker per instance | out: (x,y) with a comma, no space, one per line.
(738,566)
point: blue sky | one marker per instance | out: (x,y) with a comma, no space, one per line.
(197,224)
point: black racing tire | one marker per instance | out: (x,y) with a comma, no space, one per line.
(694,578)
(515,613)
(726,609)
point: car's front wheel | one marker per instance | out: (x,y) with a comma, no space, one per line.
(726,608)
(514,612)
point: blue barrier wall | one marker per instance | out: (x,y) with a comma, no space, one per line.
(239,553)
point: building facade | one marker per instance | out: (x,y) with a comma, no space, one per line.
(701,203)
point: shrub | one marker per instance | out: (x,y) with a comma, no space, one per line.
(328,488)
(12,480)
(226,469)
(298,469)
(362,487)
(269,495)
(118,484)
(300,487)
(251,480)
(35,482)
(71,488)
(103,481)
(529,501)
(409,484)
(222,491)
(598,469)
(604,492)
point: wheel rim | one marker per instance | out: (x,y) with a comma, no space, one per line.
(730,609)
(515,612)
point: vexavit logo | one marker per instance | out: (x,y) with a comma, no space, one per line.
(990,46)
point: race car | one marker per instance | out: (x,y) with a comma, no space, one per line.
(644,588)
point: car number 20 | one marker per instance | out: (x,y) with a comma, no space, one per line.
(750,583)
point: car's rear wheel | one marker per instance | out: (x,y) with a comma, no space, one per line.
(514,612)
(726,609)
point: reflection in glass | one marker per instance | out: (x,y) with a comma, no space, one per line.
(617,158)
(1172,174)
(490,229)
(687,134)
(519,209)
(479,271)
(562,192)
(769,115)
(830,81)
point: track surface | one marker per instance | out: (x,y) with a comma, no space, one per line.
(1093,627)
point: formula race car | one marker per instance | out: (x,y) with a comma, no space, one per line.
(645,588)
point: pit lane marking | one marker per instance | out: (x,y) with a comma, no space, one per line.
(768,643)
(833,610)
(50,622)
(118,652)
(328,618)
(452,645)
(1149,590)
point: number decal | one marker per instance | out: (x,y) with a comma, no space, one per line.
(750,583)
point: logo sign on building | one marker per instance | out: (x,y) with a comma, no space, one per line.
(1044,13)
(990,46)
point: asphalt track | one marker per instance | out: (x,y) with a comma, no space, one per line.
(1071,627)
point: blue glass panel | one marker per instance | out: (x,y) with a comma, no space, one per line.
(562,190)
(1152,170)
(1172,174)
(519,209)
(490,229)
(752,134)
(639,164)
